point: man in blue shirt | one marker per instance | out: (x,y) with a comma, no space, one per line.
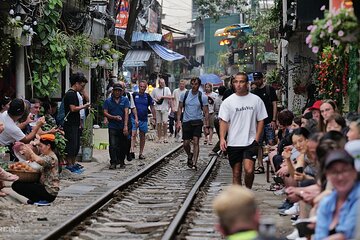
(194,105)
(142,101)
(116,110)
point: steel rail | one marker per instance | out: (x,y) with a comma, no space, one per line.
(101,201)
(178,219)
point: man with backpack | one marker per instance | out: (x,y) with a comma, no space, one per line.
(194,104)
(269,97)
(72,119)
(142,101)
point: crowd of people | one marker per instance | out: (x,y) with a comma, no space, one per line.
(314,157)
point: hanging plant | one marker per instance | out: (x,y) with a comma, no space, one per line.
(79,50)
(338,28)
(103,54)
(50,59)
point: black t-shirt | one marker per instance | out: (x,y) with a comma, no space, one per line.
(71,98)
(268,97)
(228,92)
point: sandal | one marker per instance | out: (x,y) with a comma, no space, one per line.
(259,170)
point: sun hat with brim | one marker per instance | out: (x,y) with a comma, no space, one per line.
(316,105)
(338,155)
(47,137)
(117,86)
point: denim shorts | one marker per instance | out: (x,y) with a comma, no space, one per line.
(267,135)
(143,126)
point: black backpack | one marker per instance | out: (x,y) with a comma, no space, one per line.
(199,96)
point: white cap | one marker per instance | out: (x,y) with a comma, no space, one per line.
(353,148)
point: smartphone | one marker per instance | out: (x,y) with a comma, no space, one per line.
(299,169)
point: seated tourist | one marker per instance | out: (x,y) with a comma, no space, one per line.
(337,212)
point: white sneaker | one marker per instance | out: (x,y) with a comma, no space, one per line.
(294,210)
(294,235)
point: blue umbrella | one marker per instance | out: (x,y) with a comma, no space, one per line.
(211,78)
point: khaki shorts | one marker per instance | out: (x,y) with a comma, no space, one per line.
(162,116)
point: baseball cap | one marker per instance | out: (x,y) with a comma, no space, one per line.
(117,86)
(17,107)
(258,75)
(316,105)
(338,155)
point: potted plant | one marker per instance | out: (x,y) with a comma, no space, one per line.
(105,43)
(87,137)
(273,78)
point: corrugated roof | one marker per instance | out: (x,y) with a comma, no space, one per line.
(140,36)
(136,58)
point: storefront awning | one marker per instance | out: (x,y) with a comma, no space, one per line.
(220,32)
(164,53)
(231,29)
(136,58)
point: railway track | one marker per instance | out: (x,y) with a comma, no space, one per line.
(150,205)
(165,200)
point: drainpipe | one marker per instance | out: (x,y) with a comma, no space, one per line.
(20,73)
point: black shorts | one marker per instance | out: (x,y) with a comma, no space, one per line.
(72,135)
(192,129)
(237,154)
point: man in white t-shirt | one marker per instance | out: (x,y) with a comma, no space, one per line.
(241,115)
(12,133)
(162,97)
(176,94)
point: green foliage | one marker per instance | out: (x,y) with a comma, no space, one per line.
(273,76)
(79,48)
(5,54)
(50,59)
(60,140)
(104,51)
(87,133)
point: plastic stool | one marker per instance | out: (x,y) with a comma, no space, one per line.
(103,145)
